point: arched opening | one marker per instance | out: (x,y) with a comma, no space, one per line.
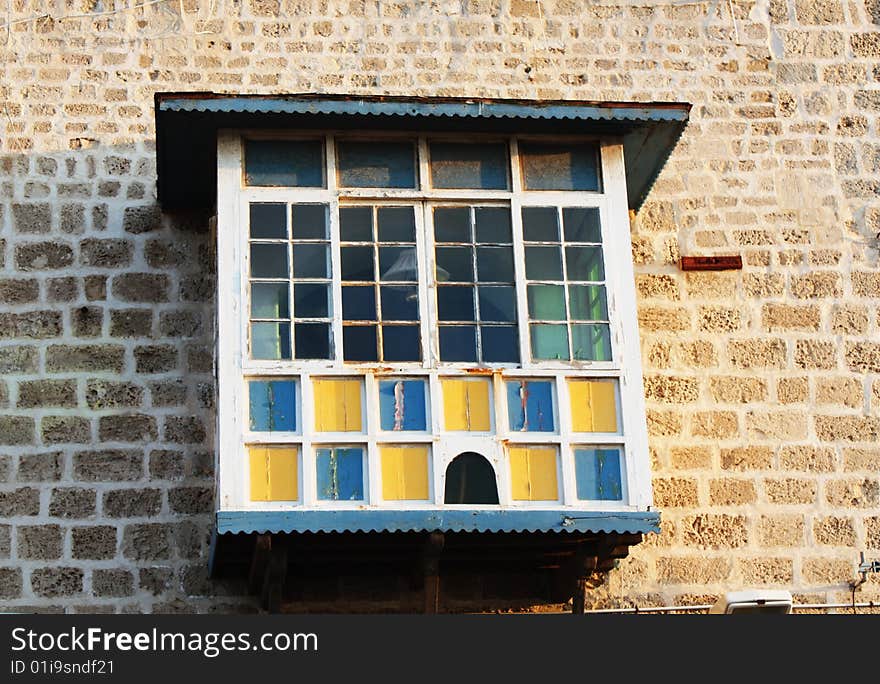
(470,479)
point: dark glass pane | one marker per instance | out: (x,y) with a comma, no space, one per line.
(546,302)
(359,343)
(311,300)
(543,263)
(587,303)
(397,224)
(376,164)
(455,303)
(401,343)
(356,224)
(398,264)
(452,224)
(269,261)
(357,263)
(559,167)
(270,340)
(399,303)
(310,261)
(269,300)
(359,303)
(549,342)
(455,264)
(458,343)
(469,165)
(309,221)
(500,344)
(495,264)
(312,340)
(497,304)
(268,221)
(591,342)
(290,163)
(581,225)
(584,263)
(540,224)
(493,224)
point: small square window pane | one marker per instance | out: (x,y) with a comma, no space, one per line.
(401,343)
(359,303)
(500,343)
(455,303)
(272,405)
(311,300)
(402,405)
(469,165)
(376,164)
(559,167)
(549,342)
(359,343)
(598,475)
(587,303)
(269,261)
(540,224)
(452,224)
(497,303)
(357,263)
(543,263)
(270,340)
(584,263)
(310,261)
(269,300)
(340,473)
(493,225)
(288,163)
(458,343)
(591,342)
(309,221)
(268,221)
(356,224)
(546,302)
(455,265)
(495,264)
(581,224)
(399,302)
(398,264)
(397,224)
(312,340)
(530,405)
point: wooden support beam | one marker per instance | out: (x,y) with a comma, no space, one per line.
(586,563)
(259,560)
(431,570)
(274,577)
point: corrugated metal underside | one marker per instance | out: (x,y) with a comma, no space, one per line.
(187,124)
(230,522)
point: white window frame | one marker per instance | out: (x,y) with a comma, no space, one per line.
(234,364)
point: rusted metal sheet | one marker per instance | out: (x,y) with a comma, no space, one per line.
(712,263)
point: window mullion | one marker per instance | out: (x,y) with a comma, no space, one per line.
(335,253)
(519,271)
(427,285)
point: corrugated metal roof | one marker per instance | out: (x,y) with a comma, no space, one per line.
(231,522)
(187,124)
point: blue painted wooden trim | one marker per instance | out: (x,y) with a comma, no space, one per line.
(443,520)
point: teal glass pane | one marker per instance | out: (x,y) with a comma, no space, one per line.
(469,165)
(540,224)
(452,224)
(287,163)
(591,342)
(269,261)
(492,225)
(402,405)
(584,263)
(530,405)
(549,342)
(497,303)
(597,473)
(396,224)
(587,303)
(310,260)
(543,263)
(376,164)
(546,302)
(268,221)
(270,340)
(272,405)
(340,473)
(309,221)
(559,167)
(269,300)
(581,224)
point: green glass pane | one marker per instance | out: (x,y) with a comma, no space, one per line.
(549,342)
(584,263)
(591,342)
(587,303)
(546,302)
(270,340)
(269,300)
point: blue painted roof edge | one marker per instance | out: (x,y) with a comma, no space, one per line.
(232,522)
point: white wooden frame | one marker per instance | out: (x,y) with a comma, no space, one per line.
(234,365)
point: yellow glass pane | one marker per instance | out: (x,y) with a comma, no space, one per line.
(466,405)
(533,474)
(404,473)
(593,405)
(337,405)
(274,473)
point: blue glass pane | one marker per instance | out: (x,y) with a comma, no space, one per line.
(493,225)
(272,405)
(458,343)
(402,405)
(376,164)
(309,221)
(500,343)
(530,405)
(359,343)
(312,341)
(469,165)
(597,472)
(401,343)
(290,163)
(539,224)
(559,167)
(268,221)
(356,224)
(340,474)
(397,224)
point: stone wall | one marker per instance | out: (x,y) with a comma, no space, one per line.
(763,385)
